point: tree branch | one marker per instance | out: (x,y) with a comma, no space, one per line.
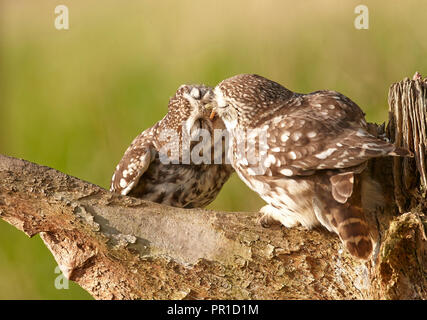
(119,247)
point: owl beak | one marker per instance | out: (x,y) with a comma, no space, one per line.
(212,116)
(210,106)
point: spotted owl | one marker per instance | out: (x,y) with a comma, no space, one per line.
(159,167)
(309,168)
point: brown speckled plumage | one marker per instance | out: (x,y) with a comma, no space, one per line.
(142,174)
(317,146)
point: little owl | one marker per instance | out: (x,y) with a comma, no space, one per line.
(184,179)
(309,168)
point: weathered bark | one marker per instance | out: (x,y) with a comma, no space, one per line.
(119,247)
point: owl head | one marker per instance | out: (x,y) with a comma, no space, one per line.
(188,119)
(242,99)
(189,110)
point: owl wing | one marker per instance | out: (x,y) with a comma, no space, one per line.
(321,131)
(133,164)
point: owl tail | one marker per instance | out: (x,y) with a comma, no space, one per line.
(353,230)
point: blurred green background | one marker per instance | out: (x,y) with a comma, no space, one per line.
(74,99)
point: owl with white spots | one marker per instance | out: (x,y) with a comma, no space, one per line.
(159,167)
(304,154)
